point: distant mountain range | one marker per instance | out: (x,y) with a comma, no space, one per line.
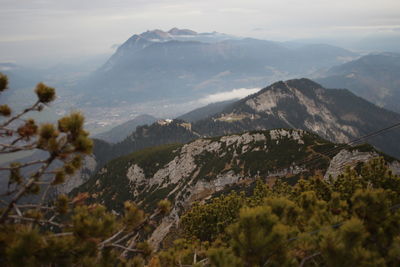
(375,77)
(182,63)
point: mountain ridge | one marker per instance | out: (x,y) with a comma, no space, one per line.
(186,173)
(374,77)
(335,114)
(120,132)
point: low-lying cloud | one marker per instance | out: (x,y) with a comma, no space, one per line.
(223,96)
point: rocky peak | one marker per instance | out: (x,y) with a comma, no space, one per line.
(156,35)
(300,103)
(297,89)
(350,158)
(176,31)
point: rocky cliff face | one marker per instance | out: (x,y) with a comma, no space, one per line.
(318,117)
(79,178)
(350,158)
(197,170)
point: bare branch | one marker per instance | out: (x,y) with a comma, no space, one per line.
(34,206)
(7,132)
(8,193)
(131,244)
(125,237)
(17,140)
(133,240)
(62,234)
(101,245)
(125,248)
(36,220)
(46,191)
(308,258)
(18,211)
(42,183)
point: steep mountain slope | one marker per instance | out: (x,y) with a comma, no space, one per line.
(159,133)
(159,65)
(335,114)
(120,132)
(206,111)
(375,77)
(198,170)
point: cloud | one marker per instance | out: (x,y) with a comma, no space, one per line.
(223,96)
(94,25)
(24,38)
(239,10)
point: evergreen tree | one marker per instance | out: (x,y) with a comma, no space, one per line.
(60,231)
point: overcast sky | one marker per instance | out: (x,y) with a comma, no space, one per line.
(59,29)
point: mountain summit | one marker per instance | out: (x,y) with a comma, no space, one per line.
(160,35)
(176,31)
(335,114)
(182,64)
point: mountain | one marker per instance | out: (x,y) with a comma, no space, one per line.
(206,111)
(179,64)
(203,168)
(120,132)
(159,133)
(176,31)
(335,114)
(375,77)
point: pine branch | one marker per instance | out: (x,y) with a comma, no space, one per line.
(23,165)
(27,186)
(11,148)
(34,107)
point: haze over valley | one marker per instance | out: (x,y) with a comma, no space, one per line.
(168,73)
